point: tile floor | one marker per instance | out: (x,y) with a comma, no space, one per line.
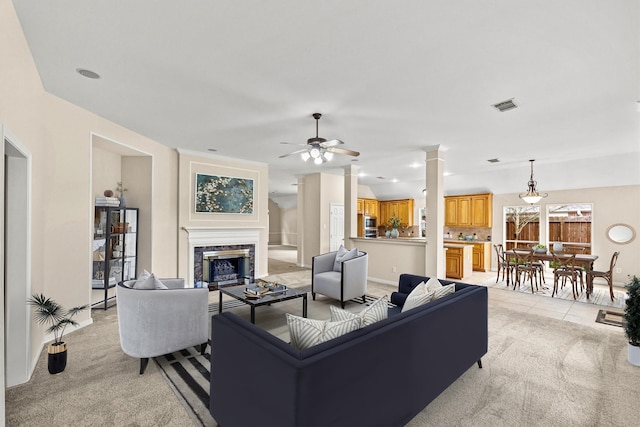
(567,310)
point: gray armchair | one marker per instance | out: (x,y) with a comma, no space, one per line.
(153,322)
(343,284)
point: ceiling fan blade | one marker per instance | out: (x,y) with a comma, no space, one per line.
(291,154)
(293,143)
(331,143)
(343,151)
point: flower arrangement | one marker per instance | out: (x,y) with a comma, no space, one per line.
(120,189)
(394,222)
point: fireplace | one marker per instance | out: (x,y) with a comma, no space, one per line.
(226,267)
(204,240)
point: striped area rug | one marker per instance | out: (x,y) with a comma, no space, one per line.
(600,294)
(188,373)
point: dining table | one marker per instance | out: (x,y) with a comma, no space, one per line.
(583,260)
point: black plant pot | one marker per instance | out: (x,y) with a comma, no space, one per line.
(57,357)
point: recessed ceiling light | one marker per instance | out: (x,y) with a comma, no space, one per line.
(88,73)
(394,180)
(211,149)
(415,165)
(493,160)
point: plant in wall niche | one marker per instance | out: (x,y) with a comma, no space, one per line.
(632,320)
(47,311)
(120,189)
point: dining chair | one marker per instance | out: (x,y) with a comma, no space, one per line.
(563,269)
(578,250)
(606,275)
(526,266)
(504,264)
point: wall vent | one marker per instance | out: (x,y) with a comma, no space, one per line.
(507,105)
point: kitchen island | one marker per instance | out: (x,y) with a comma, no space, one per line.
(388,258)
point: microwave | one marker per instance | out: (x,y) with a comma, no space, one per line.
(371,233)
(370,222)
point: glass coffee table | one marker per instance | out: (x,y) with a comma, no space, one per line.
(238,292)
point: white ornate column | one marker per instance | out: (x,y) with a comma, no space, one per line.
(434,251)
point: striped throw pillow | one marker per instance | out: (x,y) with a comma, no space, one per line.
(306,333)
(373,313)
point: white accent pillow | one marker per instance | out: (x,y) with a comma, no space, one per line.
(150,282)
(439,290)
(378,310)
(347,256)
(418,296)
(306,333)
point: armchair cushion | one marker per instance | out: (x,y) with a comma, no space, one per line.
(346,257)
(151,282)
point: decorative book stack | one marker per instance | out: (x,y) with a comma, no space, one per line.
(107,201)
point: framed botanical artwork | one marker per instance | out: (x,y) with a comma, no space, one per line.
(223,194)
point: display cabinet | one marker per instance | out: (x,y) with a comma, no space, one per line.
(115,250)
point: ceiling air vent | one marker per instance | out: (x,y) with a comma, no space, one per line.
(507,105)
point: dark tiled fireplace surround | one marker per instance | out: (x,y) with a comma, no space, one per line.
(199,261)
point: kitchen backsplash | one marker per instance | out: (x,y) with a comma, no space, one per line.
(482,233)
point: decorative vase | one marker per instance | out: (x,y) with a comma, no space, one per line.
(123,201)
(633,354)
(387,234)
(394,233)
(557,247)
(57,357)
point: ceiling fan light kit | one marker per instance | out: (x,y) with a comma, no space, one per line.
(319,149)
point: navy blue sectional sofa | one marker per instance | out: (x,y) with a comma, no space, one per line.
(381,375)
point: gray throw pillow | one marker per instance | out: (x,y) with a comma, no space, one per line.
(347,256)
(337,266)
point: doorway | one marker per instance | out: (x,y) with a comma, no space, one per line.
(16,260)
(336,232)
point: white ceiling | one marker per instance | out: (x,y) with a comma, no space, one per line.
(390,77)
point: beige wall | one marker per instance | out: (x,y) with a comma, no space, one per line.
(275,223)
(192,163)
(58,136)
(611,205)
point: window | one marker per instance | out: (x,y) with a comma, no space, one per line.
(570,224)
(521,226)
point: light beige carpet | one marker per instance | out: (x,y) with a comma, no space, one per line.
(538,371)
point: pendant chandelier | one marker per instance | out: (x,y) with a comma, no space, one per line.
(532,195)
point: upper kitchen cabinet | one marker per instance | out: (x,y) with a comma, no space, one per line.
(368,207)
(403,209)
(473,210)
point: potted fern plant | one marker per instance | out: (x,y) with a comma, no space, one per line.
(632,321)
(47,311)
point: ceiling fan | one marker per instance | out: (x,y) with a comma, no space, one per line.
(320,149)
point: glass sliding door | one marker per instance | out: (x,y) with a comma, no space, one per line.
(570,224)
(521,226)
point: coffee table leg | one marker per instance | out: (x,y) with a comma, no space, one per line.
(220,302)
(253,314)
(304,305)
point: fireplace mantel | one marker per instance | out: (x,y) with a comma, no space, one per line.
(210,236)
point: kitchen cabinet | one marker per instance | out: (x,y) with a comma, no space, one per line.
(367,207)
(115,242)
(475,210)
(481,256)
(458,261)
(402,208)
